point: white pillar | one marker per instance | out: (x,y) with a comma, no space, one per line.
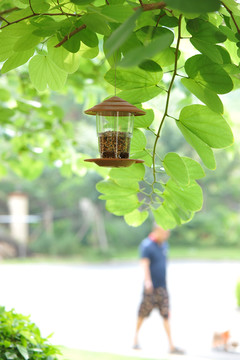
(18,209)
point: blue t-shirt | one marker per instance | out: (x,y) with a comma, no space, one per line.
(157,254)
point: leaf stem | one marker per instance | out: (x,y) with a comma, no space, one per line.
(167,100)
(148,128)
(172,117)
(231,14)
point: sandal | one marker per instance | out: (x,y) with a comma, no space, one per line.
(177,351)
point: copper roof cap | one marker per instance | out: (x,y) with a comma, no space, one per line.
(113,105)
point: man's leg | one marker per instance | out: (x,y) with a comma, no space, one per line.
(145,309)
(139,324)
(167,328)
(162,300)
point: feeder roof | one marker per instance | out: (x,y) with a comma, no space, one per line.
(113,105)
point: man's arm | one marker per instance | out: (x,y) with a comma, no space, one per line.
(148,285)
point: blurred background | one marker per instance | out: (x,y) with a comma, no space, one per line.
(72,265)
(59,198)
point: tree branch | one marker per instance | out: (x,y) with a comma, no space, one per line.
(68,36)
(150,7)
(159,18)
(3,19)
(30,5)
(167,100)
(60,8)
(8,11)
(38,14)
(231,14)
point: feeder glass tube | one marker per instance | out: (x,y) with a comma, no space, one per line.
(114,134)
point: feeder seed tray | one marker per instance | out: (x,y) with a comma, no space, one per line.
(114,162)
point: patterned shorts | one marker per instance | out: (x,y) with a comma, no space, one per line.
(158,299)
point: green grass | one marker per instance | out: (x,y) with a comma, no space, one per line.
(211,253)
(74,354)
(175,253)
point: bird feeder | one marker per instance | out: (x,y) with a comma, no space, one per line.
(114,129)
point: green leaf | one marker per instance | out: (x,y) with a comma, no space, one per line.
(136,218)
(165,57)
(180,215)
(132,78)
(26,167)
(43,71)
(168,20)
(64,59)
(164,217)
(39,6)
(122,205)
(23,351)
(207,125)
(5,114)
(205,31)
(112,190)
(146,33)
(16,60)
(207,73)
(228,32)
(6,46)
(144,155)
(96,23)
(46,26)
(187,197)
(204,94)
(132,42)
(138,55)
(88,37)
(72,44)
(203,150)
(175,168)
(81,2)
(123,177)
(136,96)
(138,141)
(121,34)
(150,65)
(144,121)
(88,53)
(187,6)
(117,12)
(10,356)
(4,95)
(195,171)
(208,49)
(26,42)
(226,58)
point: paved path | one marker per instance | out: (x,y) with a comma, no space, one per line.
(95,306)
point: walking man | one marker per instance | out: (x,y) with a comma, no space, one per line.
(153,252)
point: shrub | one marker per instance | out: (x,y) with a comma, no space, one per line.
(21,339)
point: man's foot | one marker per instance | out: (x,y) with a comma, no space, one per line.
(136,347)
(177,351)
